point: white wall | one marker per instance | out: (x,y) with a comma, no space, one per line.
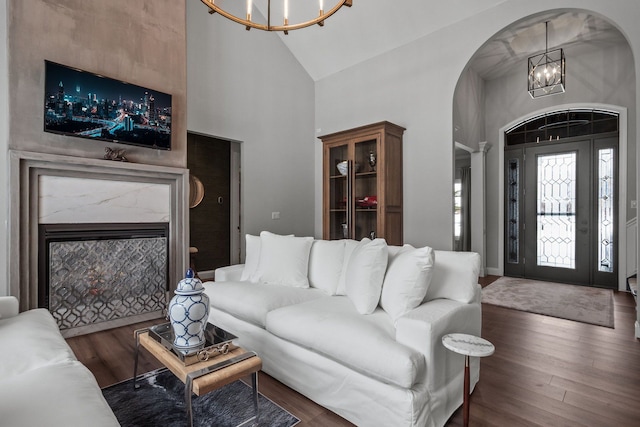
(4,143)
(407,87)
(247,86)
(507,100)
(414,86)
(469,110)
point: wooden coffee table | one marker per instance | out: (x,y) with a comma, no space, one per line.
(202,377)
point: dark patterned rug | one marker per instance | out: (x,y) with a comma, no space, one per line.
(160,402)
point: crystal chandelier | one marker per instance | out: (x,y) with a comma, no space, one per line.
(547,71)
(244,15)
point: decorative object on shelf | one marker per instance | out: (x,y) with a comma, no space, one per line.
(345,230)
(367,202)
(546,70)
(343,167)
(309,14)
(188,312)
(196,191)
(372,161)
(116,154)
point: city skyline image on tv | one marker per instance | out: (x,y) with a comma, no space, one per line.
(87,105)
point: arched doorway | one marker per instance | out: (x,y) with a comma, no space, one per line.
(491,97)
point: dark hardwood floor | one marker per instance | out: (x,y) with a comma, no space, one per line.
(545,371)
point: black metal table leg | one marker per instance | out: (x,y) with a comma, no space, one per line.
(135,363)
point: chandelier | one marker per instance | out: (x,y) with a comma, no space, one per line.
(244,15)
(547,71)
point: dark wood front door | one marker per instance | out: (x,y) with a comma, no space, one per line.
(557,212)
(561,207)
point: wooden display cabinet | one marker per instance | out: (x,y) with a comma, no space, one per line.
(365,198)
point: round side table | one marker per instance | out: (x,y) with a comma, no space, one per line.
(469,345)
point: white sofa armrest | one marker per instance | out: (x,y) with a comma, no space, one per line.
(230,273)
(478,297)
(423,328)
(8,307)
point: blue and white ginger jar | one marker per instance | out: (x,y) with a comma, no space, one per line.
(188,312)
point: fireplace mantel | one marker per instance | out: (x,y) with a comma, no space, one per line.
(29,170)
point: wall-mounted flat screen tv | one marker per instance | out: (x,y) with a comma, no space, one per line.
(88,105)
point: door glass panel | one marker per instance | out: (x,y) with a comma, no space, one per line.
(457,209)
(606,201)
(513,212)
(556,216)
(366,190)
(338,221)
(562,124)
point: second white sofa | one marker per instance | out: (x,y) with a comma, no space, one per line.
(41,381)
(355,326)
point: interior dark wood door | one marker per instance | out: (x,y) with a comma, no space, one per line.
(209,160)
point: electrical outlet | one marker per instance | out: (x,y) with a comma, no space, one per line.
(275,215)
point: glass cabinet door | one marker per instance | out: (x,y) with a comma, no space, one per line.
(339,221)
(365,189)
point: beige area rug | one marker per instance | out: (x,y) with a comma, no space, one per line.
(579,303)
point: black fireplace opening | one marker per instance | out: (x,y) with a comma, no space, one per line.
(95,273)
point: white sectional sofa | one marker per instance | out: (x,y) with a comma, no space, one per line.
(355,326)
(41,381)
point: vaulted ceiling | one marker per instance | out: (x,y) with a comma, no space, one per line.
(367,29)
(370,28)
(575,30)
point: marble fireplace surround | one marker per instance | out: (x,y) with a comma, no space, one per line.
(32,177)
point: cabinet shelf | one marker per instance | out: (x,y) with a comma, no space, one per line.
(366,174)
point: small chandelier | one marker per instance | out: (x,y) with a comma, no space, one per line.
(269,25)
(547,71)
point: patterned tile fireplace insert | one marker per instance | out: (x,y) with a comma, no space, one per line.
(92,275)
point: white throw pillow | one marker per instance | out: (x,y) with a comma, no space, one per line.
(455,276)
(252,257)
(349,246)
(407,280)
(325,265)
(365,274)
(284,260)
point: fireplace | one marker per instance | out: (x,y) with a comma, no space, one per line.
(80,195)
(94,275)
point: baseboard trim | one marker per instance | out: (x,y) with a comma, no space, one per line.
(493,271)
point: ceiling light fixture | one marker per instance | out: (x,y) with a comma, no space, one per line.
(546,71)
(225,9)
